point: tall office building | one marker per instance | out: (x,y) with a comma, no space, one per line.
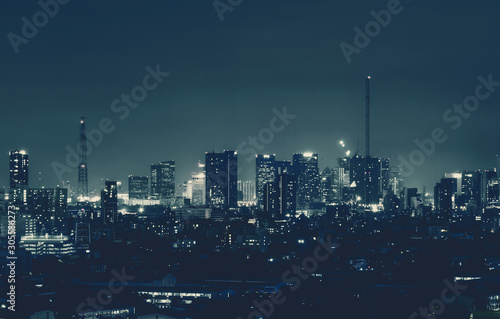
(222,179)
(265,172)
(48,208)
(40,200)
(138,187)
(280,196)
(109,202)
(61,201)
(489,189)
(444,197)
(198,190)
(305,169)
(365,173)
(410,199)
(19,197)
(343,181)
(384,175)
(18,169)
(163,180)
(286,185)
(247,190)
(328,185)
(471,188)
(395,180)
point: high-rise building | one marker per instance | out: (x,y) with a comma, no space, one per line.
(395,180)
(384,175)
(221,179)
(138,187)
(444,197)
(305,169)
(163,180)
(328,185)
(471,188)
(40,200)
(489,189)
(109,202)
(280,196)
(19,196)
(198,189)
(48,209)
(18,169)
(265,172)
(365,173)
(286,185)
(247,190)
(343,181)
(410,199)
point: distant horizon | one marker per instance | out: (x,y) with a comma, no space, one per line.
(124,181)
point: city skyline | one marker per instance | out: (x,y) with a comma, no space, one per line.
(238,159)
(99,183)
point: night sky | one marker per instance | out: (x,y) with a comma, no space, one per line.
(227,77)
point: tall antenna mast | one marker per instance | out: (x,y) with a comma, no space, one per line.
(83,188)
(368,116)
(367,128)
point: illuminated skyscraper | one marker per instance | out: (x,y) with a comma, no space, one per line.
(343,181)
(48,206)
(286,185)
(444,197)
(247,190)
(163,180)
(305,168)
(109,202)
(488,187)
(265,172)
(384,174)
(18,169)
(222,179)
(327,185)
(364,174)
(138,187)
(199,183)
